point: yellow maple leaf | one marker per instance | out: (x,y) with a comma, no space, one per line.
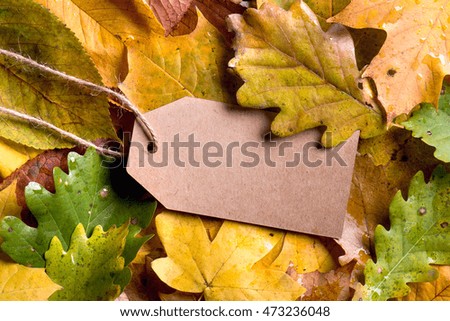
(302,252)
(21,283)
(413,61)
(221,269)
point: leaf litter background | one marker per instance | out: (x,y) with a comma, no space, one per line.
(385,82)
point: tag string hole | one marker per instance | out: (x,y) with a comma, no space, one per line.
(152,147)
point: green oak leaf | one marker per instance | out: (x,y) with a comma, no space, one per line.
(85,196)
(433,125)
(287,61)
(419,236)
(87,270)
(32,31)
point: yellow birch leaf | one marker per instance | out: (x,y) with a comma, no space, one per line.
(438,290)
(124,18)
(159,69)
(413,61)
(220,269)
(29,29)
(107,51)
(13,156)
(21,283)
(8,201)
(164,69)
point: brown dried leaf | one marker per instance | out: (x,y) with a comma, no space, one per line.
(368,43)
(38,169)
(216,11)
(187,23)
(179,17)
(354,241)
(331,286)
(170,12)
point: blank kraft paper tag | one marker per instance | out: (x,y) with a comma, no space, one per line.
(220,160)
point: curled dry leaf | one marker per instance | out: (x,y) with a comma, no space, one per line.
(413,61)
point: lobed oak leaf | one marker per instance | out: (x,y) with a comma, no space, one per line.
(90,268)
(386,164)
(413,61)
(221,269)
(287,61)
(84,195)
(418,236)
(432,125)
(437,290)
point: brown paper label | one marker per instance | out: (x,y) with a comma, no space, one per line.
(220,160)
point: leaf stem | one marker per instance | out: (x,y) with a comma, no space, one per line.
(66,134)
(83,83)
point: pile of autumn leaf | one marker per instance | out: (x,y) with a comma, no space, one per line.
(373,66)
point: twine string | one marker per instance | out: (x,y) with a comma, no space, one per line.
(121,99)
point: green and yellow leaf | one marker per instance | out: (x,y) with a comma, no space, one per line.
(89,268)
(419,236)
(287,61)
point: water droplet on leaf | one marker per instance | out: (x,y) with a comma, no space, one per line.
(104,192)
